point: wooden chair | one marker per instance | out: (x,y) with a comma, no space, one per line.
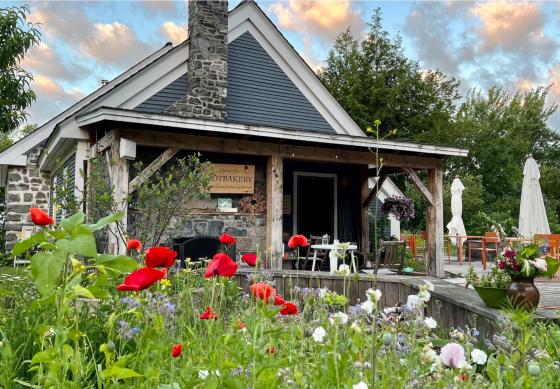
(489,242)
(305,259)
(26,233)
(391,255)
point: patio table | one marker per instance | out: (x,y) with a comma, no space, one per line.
(333,248)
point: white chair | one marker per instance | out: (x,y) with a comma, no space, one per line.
(26,233)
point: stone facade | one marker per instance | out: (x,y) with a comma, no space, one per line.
(250,230)
(27,187)
(207,65)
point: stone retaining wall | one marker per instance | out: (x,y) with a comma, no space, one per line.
(27,187)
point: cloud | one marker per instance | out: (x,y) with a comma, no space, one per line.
(508,25)
(114,43)
(173,32)
(162,6)
(429,28)
(51,98)
(43,59)
(326,18)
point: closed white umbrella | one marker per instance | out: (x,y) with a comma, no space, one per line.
(532,214)
(456,226)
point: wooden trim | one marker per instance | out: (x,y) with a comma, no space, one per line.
(119,174)
(102,144)
(274,207)
(152,168)
(419,184)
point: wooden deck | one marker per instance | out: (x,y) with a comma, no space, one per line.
(451,305)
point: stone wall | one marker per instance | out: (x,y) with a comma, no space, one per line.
(207,65)
(250,230)
(27,187)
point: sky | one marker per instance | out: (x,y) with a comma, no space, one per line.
(515,45)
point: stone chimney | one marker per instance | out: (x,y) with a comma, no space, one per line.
(207,64)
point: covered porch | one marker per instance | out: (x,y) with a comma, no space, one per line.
(314,183)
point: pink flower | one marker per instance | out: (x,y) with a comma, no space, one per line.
(501,265)
(540,264)
(453,355)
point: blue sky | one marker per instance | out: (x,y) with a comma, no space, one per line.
(512,44)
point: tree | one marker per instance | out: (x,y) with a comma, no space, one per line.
(501,130)
(17,36)
(373,80)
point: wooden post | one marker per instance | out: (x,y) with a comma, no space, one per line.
(365,195)
(119,179)
(434,227)
(274,208)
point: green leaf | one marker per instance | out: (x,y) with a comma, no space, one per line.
(104,221)
(82,242)
(45,269)
(43,356)
(120,263)
(72,222)
(552,266)
(79,290)
(23,246)
(119,373)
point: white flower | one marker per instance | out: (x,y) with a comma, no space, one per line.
(203,374)
(429,285)
(343,270)
(430,323)
(339,318)
(479,357)
(217,373)
(319,334)
(323,292)
(424,295)
(360,385)
(368,306)
(413,301)
(373,295)
(428,356)
(540,264)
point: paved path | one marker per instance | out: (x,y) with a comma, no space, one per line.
(549,288)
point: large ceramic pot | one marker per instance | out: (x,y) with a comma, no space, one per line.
(523,294)
(493,297)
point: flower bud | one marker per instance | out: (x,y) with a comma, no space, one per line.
(387,338)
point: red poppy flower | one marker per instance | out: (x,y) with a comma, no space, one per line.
(278,300)
(160,257)
(298,241)
(250,259)
(289,309)
(241,325)
(141,279)
(134,244)
(263,291)
(40,217)
(271,350)
(208,314)
(221,265)
(177,350)
(227,239)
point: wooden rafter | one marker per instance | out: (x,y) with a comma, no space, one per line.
(152,168)
(419,184)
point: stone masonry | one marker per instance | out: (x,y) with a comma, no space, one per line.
(207,65)
(250,230)
(27,187)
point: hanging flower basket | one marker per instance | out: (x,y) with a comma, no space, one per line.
(402,208)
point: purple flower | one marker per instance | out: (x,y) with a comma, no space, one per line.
(126,331)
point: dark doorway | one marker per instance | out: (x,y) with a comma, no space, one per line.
(316,205)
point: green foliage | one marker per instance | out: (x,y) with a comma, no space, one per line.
(159,203)
(493,279)
(373,79)
(17,36)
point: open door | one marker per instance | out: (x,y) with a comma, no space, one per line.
(315,205)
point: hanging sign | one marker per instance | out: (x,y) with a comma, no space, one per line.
(233,179)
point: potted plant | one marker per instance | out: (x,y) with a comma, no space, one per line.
(523,265)
(491,286)
(402,208)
